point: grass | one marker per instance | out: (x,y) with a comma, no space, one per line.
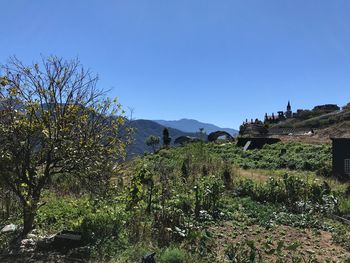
(199,204)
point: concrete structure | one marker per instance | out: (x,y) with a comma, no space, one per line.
(341,157)
(215,135)
(255,142)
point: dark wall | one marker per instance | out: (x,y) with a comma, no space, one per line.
(341,151)
(257,143)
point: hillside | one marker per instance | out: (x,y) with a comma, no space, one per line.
(325,126)
(145,128)
(203,202)
(189,125)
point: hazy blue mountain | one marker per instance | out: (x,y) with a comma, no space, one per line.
(188,125)
(145,128)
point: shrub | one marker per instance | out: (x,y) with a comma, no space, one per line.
(344,206)
(296,194)
(325,170)
(245,188)
(62,213)
(105,223)
(173,255)
(299,156)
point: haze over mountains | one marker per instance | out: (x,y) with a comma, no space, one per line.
(189,125)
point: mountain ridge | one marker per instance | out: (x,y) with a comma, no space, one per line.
(192,125)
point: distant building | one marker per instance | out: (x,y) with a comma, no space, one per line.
(341,157)
(281,115)
(289,113)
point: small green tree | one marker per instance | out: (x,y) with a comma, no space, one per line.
(166,137)
(55,122)
(201,134)
(152,141)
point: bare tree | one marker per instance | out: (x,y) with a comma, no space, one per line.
(131,113)
(54,121)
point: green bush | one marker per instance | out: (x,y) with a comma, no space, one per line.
(325,170)
(299,156)
(172,255)
(344,207)
(105,223)
(62,213)
(295,193)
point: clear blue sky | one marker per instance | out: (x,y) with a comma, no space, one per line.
(218,61)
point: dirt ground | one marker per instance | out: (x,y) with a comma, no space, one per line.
(317,244)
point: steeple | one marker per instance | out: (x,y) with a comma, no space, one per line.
(289,112)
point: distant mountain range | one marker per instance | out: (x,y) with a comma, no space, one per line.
(183,127)
(188,125)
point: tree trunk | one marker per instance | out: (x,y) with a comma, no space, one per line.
(149,206)
(29,212)
(8,205)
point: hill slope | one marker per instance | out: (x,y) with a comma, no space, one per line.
(188,125)
(334,124)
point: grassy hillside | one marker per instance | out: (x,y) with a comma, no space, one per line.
(325,126)
(209,203)
(318,121)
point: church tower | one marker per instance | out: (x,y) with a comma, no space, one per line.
(289,112)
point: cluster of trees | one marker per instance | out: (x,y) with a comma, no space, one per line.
(55,122)
(153,141)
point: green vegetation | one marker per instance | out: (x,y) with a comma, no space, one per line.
(54,122)
(291,155)
(195,204)
(152,141)
(173,255)
(166,137)
(61,166)
(310,119)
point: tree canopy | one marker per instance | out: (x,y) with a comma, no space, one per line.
(152,141)
(55,121)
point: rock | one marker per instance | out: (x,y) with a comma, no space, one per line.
(35,232)
(253,129)
(148,258)
(67,239)
(27,245)
(27,242)
(32,236)
(45,243)
(9,228)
